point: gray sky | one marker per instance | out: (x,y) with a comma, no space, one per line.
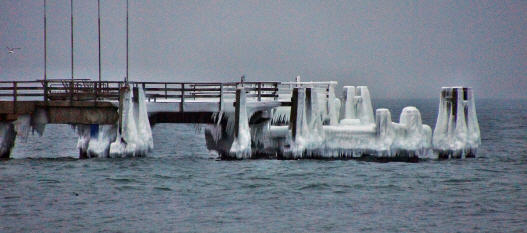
(399,49)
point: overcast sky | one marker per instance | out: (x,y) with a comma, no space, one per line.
(400,49)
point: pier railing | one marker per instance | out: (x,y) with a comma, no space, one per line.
(88,90)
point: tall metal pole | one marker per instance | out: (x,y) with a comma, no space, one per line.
(45,45)
(71,11)
(126,40)
(99,33)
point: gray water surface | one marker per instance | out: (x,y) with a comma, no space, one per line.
(182,187)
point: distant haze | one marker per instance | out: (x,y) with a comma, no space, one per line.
(400,49)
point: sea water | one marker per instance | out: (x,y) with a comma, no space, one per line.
(180,186)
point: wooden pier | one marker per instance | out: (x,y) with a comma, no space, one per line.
(95,102)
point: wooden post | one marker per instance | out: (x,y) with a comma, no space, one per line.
(121,104)
(296,119)
(182,102)
(259,91)
(45,91)
(220,105)
(71,91)
(240,102)
(275,91)
(293,117)
(14,96)
(309,103)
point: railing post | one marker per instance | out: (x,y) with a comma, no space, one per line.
(14,96)
(182,101)
(259,91)
(275,91)
(166,97)
(96,86)
(71,91)
(221,98)
(46,91)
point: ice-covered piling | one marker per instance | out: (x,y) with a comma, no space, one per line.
(134,135)
(413,138)
(241,146)
(7,139)
(357,106)
(457,130)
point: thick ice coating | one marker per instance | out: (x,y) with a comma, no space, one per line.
(305,129)
(241,146)
(135,138)
(457,130)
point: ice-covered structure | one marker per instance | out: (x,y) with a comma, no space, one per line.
(312,128)
(457,130)
(298,120)
(131,137)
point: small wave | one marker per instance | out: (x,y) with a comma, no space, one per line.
(127,187)
(49,181)
(315,186)
(162,176)
(122,180)
(461,180)
(163,188)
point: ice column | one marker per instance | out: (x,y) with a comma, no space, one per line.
(384,131)
(241,146)
(135,138)
(357,107)
(457,130)
(412,137)
(333,105)
(298,124)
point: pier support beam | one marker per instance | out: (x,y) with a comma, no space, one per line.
(297,118)
(241,146)
(7,139)
(456,133)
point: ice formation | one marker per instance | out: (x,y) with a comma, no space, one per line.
(20,128)
(312,128)
(241,146)
(135,138)
(457,130)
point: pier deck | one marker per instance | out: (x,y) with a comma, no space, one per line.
(80,101)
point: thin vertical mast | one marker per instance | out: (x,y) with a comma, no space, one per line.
(71,11)
(126,40)
(45,45)
(99,33)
